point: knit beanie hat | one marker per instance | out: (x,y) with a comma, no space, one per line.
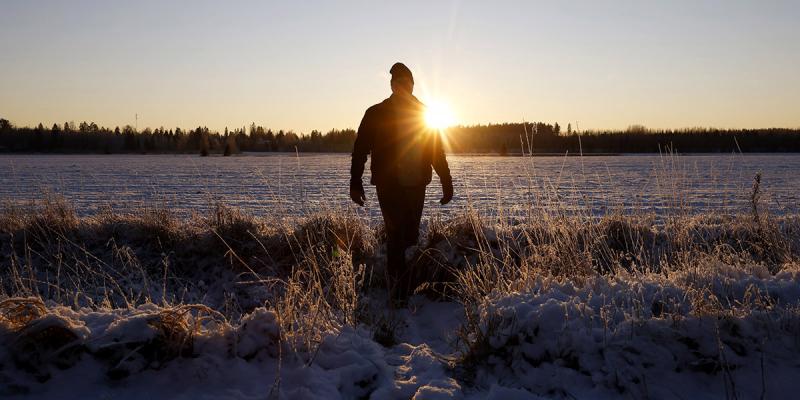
(399,70)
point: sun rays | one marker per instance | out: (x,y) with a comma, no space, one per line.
(439,115)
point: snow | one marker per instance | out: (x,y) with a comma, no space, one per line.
(291,185)
(715,329)
(556,340)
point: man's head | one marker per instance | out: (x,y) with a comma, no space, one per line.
(402,80)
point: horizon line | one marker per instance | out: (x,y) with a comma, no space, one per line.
(244,128)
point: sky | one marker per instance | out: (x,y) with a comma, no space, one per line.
(303,65)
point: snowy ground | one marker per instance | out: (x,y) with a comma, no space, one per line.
(552,342)
(712,311)
(290,185)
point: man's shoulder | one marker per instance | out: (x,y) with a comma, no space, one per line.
(376,108)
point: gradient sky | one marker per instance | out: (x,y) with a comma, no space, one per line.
(306,65)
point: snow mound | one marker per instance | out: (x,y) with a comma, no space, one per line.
(635,338)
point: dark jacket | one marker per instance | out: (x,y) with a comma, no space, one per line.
(403,149)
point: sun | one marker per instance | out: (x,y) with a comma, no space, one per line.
(439,115)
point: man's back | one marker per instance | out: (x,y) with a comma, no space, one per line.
(403,149)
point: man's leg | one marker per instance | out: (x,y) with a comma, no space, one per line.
(413,202)
(390,200)
(401,207)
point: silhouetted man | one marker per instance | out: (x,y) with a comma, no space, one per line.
(403,150)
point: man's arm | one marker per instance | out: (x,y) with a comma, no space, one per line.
(361,148)
(439,163)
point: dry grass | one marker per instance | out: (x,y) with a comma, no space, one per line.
(321,294)
(17,312)
(313,272)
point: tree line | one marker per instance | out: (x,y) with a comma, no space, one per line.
(506,138)
(88,137)
(539,137)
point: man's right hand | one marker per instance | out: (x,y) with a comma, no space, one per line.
(357,192)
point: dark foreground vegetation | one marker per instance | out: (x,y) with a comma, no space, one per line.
(47,250)
(504,139)
(552,304)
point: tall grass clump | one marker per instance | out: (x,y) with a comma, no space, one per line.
(327,275)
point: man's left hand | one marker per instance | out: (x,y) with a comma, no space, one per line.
(447,191)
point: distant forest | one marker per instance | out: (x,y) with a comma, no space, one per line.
(506,139)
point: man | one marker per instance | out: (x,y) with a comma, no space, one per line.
(403,151)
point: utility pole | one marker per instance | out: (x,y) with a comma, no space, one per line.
(136,123)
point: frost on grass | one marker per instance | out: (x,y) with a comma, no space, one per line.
(548,305)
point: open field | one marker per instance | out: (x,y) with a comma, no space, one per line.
(553,304)
(288,185)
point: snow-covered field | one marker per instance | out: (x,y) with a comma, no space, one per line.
(691,290)
(286,184)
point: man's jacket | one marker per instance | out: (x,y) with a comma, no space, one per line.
(403,149)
